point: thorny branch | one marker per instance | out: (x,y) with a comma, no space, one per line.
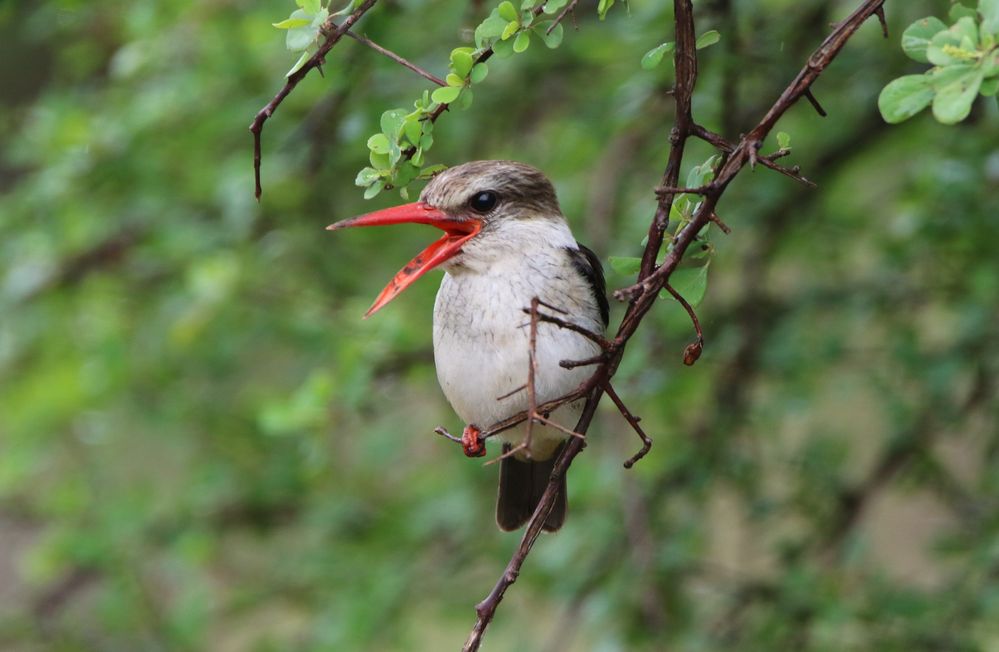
(332,33)
(652,278)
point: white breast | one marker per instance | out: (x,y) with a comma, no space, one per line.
(481,334)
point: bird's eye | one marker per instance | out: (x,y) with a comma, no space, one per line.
(483,202)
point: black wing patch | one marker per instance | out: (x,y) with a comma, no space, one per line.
(586,263)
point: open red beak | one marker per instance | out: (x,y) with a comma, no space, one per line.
(457,231)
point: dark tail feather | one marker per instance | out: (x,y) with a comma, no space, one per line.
(520,488)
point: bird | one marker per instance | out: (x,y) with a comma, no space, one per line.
(506,243)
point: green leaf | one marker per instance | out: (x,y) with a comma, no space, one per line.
(431,170)
(301,37)
(708,38)
(503,49)
(394,153)
(379,161)
(990,63)
(522,42)
(783,140)
(625,265)
(691,283)
(479,72)
(446,94)
(603,7)
(461,62)
(678,211)
(553,6)
(454,80)
(464,100)
(288,23)
(510,29)
(374,189)
(392,121)
(701,175)
(413,129)
(959,11)
(311,6)
(508,12)
(916,37)
(298,64)
(379,144)
(956,88)
(905,97)
(955,45)
(966,29)
(426,140)
(989,9)
(366,177)
(489,29)
(407,172)
(554,39)
(654,56)
(989,87)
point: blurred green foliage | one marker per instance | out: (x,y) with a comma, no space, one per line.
(203,447)
(966,64)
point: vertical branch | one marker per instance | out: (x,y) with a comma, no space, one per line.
(333,33)
(685,61)
(651,279)
(686,65)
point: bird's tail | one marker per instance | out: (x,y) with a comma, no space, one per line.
(522,482)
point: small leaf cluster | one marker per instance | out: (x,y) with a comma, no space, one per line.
(654,57)
(507,30)
(304,26)
(403,132)
(965,56)
(690,279)
(397,152)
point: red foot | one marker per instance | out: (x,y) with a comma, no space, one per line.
(471,443)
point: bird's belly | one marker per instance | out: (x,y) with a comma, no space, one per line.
(481,342)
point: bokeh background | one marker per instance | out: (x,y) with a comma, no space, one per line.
(204,447)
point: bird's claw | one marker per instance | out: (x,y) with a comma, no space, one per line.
(471,443)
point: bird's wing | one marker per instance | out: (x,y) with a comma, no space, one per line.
(588,265)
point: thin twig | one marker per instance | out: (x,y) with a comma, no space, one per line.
(665,190)
(512,392)
(332,33)
(633,422)
(815,103)
(398,59)
(532,415)
(440,430)
(603,342)
(532,370)
(726,229)
(880,13)
(585,362)
(562,14)
(693,350)
(767,161)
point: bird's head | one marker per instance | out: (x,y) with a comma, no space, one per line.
(474,204)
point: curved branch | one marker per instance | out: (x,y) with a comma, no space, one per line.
(652,279)
(333,33)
